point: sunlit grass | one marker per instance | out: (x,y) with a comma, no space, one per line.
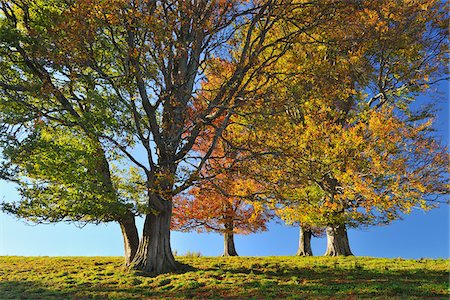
(218,277)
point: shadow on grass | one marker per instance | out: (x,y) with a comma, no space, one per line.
(326,281)
(256,281)
(181,269)
(30,290)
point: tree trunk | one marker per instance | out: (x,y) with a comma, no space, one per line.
(337,241)
(304,243)
(130,237)
(125,219)
(228,237)
(229,249)
(154,254)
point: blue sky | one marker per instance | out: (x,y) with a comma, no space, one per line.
(420,234)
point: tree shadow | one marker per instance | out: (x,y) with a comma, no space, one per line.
(325,281)
(260,281)
(181,268)
(30,290)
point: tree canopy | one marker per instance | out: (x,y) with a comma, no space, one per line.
(342,144)
(313,96)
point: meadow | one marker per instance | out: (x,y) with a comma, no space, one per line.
(226,277)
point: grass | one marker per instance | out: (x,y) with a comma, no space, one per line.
(218,277)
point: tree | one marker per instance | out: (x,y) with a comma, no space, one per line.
(304,243)
(366,174)
(222,203)
(322,135)
(60,177)
(209,208)
(45,117)
(139,62)
(293,213)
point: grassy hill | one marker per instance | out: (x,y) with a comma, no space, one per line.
(217,277)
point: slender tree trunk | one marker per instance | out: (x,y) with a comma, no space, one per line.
(228,235)
(228,242)
(337,241)
(130,237)
(154,254)
(304,243)
(127,221)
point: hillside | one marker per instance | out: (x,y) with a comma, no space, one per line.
(217,277)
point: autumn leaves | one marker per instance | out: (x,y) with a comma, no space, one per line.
(220,112)
(329,140)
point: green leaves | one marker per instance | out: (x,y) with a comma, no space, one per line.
(60,178)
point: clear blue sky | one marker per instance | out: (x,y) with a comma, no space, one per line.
(420,234)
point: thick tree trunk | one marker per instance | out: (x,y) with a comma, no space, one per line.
(130,237)
(154,254)
(304,243)
(337,241)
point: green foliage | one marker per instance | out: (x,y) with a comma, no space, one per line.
(53,111)
(218,277)
(59,176)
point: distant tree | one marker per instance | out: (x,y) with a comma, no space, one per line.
(225,202)
(304,242)
(209,208)
(293,214)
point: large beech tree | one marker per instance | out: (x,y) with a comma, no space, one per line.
(139,63)
(48,147)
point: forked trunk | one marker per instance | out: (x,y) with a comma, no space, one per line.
(154,254)
(229,249)
(337,241)
(304,243)
(130,237)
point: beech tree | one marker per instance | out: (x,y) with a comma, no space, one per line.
(289,210)
(48,147)
(304,243)
(209,208)
(225,202)
(139,63)
(366,71)
(367,174)
(59,178)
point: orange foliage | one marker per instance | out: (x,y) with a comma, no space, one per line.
(332,156)
(226,201)
(210,208)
